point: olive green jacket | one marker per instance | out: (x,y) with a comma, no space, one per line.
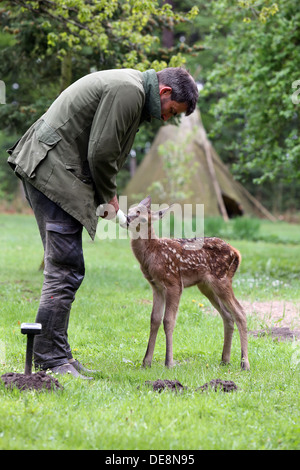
(73,153)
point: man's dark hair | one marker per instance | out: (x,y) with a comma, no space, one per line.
(184,88)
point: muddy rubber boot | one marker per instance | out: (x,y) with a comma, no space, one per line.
(69,369)
(81,369)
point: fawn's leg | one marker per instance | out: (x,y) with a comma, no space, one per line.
(156,317)
(227,321)
(172,303)
(234,307)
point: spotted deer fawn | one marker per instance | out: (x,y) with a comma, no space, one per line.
(170,265)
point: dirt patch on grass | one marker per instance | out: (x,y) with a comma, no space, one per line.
(38,381)
(215,384)
(160,385)
(218,384)
(277,333)
(284,314)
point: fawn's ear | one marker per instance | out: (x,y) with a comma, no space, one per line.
(146,202)
(161,213)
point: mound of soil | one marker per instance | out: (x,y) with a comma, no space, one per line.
(38,381)
(159,385)
(280,334)
(218,384)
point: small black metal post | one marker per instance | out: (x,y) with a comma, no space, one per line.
(30,329)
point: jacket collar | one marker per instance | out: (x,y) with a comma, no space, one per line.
(152,107)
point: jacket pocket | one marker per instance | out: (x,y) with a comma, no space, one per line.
(11,149)
(35,148)
(83,175)
(46,134)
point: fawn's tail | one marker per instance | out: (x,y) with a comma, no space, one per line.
(236,261)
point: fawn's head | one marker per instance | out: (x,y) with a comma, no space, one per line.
(140,218)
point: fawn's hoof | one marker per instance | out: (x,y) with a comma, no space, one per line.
(146,364)
(169,365)
(224,363)
(245,364)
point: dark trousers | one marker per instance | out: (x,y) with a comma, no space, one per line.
(61,235)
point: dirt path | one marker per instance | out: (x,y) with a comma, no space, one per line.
(279,317)
(280,313)
(275,313)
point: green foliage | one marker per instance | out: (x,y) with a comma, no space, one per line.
(31,76)
(252,229)
(261,10)
(8,181)
(61,41)
(252,88)
(248,68)
(245,228)
(240,228)
(124,32)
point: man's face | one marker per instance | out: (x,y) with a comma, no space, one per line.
(169,108)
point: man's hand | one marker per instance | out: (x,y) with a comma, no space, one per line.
(115,203)
(109,210)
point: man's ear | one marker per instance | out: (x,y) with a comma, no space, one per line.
(165,90)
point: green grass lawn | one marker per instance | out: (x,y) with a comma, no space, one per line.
(109,329)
